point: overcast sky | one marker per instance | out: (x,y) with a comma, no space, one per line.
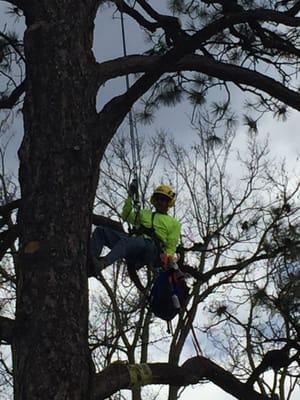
(284,137)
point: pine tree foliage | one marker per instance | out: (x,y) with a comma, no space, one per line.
(177,6)
(197,98)
(251,123)
(169,92)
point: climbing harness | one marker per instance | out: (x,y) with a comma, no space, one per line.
(142,230)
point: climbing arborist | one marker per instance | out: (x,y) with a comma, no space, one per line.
(155,234)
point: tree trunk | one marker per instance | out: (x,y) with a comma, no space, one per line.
(58,176)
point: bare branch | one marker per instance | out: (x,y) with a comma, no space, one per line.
(102,220)
(11,100)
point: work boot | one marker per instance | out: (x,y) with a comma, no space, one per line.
(99,265)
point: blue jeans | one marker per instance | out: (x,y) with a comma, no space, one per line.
(135,249)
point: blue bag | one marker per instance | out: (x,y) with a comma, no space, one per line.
(169,294)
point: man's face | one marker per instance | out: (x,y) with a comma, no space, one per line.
(160,203)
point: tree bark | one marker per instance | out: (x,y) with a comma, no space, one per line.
(58,176)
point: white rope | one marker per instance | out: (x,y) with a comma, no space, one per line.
(130,115)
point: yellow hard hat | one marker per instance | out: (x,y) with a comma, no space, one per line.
(167,191)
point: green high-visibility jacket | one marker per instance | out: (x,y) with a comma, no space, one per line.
(167,228)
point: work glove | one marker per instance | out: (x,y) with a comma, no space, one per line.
(133,188)
(169,258)
(166,259)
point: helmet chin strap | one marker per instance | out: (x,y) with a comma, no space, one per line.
(161,211)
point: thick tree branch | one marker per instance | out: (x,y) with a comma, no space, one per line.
(274,359)
(205,65)
(105,221)
(6,329)
(171,25)
(263,15)
(190,44)
(8,237)
(117,376)
(114,112)
(10,101)
(96,219)
(123,7)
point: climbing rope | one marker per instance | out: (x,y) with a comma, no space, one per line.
(132,128)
